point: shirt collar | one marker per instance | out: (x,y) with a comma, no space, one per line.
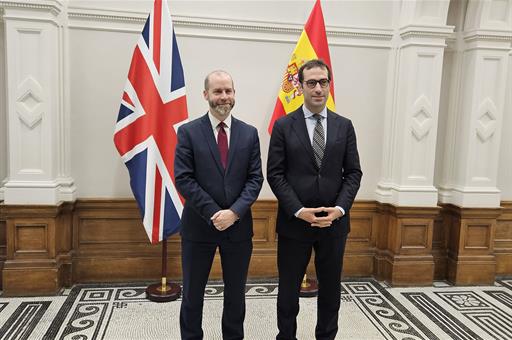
(214,121)
(309,114)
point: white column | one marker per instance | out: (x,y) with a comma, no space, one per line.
(3,118)
(476,107)
(37,111)
(412,107)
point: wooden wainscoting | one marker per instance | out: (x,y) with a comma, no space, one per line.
(440,246)
(404,254)
(361,243)
(471,257)
(38,249)
(110,243)
(101,240)
(3,245)
(503,241)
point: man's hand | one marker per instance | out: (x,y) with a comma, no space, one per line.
(308,215)
(224,219)
(333,213)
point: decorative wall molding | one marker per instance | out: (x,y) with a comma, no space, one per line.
(111,20)
(488,35)
(486,123)
(55,7)
(424,31)
(86,14)
(29,102)
(422,117)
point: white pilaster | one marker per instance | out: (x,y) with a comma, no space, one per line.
(3,115)
(473,135)
(37,111)
(412,109)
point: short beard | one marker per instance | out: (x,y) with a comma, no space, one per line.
(222,110)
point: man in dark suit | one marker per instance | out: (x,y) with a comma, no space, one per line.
(218,171)
(313,169)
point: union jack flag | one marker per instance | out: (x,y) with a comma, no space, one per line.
(153,106)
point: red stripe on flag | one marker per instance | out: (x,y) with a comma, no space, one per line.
(315,29)
(157,18)
(156,206)
(127,99)
(278,113)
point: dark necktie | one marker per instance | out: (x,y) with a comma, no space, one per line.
(222,142)
(318,140)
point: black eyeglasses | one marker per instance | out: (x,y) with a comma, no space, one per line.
(312,83)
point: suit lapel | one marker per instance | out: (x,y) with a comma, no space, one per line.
(212,143)
(332,132)
(299,126)
(233,141)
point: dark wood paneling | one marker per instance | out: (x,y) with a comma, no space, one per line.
(404,256)
(38,258)
(104,241)
(31,281)
(471,258)
(503,241)
(30,238)
(360,248)
(439,246)
(110,244)
(3,246)
(110,233)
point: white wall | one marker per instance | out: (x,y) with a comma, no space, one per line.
(253,41)
(99,61)
(3,115)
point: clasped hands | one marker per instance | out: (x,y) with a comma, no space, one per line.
(308,215)
(223,219)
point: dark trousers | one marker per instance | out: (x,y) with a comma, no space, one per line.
(292,259)
(197,258)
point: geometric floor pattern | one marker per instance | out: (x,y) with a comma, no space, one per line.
(369,310)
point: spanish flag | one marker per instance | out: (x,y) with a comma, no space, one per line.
(312,44)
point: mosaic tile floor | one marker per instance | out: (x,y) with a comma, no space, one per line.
(370,310)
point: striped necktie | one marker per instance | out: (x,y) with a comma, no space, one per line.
(318,140)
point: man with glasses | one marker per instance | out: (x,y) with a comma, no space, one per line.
(313,169)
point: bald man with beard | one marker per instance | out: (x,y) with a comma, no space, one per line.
(218,171)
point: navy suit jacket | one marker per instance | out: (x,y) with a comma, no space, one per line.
(208,188)
(297,182)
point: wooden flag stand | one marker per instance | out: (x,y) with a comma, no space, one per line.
(163,291)
(308,287)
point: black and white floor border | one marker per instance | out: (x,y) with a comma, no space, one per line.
(370,310)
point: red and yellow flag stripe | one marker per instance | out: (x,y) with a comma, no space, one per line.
(312,44)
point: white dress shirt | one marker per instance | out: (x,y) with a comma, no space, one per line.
(215,125)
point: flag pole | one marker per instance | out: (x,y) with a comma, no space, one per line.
(308,287)
(163,291)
